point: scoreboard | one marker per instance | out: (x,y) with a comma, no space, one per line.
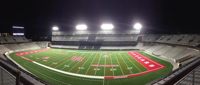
(17,30)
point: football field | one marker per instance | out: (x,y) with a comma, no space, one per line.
(90,67)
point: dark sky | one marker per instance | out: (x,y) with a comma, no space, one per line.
(158,16)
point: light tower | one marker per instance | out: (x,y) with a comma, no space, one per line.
(107,26)
(137,26)
(81,27)
(55,28)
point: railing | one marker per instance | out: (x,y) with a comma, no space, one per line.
(6,78)
(178,74)
(10,75)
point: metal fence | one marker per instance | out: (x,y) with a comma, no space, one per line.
(6,78)
(10,74)
(193,78)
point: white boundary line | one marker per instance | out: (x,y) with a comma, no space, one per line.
(7,55)
(69,73)
(48,76)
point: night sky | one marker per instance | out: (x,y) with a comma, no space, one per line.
(158,16)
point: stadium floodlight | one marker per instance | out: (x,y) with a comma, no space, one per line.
(55,28)
(81,27)
(137,26)
(107,26)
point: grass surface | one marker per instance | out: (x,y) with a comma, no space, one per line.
(81,61)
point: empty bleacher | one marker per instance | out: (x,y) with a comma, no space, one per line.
(160,52)
(43,44)
(3,49)
(182,39)
(20,39)
(177,54)
(9,39)
(150,37)
(13,39)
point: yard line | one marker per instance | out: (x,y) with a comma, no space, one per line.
(78,62)
(91,63)
(72,61)
(54,57)
(104,69)
(133,63)
(51,59)
(103,81)
(98,63)
(61,60)
(104,66)
(35,59)
(120,66)
(111,64)
(125,62)
(86,61)
(64,60)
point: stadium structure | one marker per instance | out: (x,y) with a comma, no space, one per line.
(104,57)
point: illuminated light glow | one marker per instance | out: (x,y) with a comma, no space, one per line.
(137,26)
(107,26)
(55,28)
(81,27)
(18,33)
(19,27)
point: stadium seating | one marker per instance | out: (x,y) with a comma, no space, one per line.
(2,40)
(64,46)
(150,37)
(160,52)
(177,54)
(3,49)
(95,37)
(177,48)
(182,39)
(20,39)
(13,39)
(9,39)
(195,41)
(43,44)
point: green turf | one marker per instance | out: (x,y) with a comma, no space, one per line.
(61,59)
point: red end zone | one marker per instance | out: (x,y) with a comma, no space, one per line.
(145,61)
(30,52)
(149,64)
(21,54)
